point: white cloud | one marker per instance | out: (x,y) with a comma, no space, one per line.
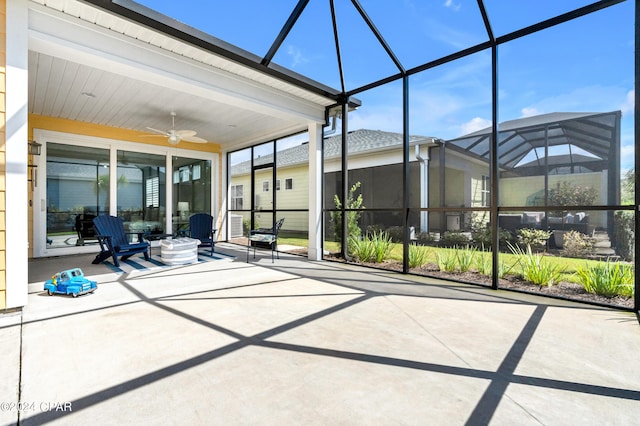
(382,118)
(296,56)
(529,112)
(451,5)
(627,155)
(629,103)
(594,98)
(475,124)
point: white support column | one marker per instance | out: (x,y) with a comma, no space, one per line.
(223,211)
(422,155)
(17,214)
(315,191)
(168,194)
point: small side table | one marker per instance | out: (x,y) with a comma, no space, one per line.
(179,251)
(261,238)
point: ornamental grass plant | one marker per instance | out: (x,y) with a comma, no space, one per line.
(447,260)
(374,248)
(418,256)
(466,258)
(535,268)
(483,263)
(607,279)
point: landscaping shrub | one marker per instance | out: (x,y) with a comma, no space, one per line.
(353,203)
(372,229)
(481,236)
(396,233)
(425,238)
(536,238)
(607,279)
(569,194)
(623,237)
(577,244)
(418,256)
(454,239)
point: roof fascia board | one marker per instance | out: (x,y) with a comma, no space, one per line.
(55,33)
(149,18)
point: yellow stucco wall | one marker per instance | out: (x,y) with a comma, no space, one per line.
(3,140)
(88,129)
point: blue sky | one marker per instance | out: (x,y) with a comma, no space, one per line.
(584,65)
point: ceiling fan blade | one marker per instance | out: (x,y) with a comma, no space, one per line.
(189,136)
(160,132)
(185,133)
(194,139)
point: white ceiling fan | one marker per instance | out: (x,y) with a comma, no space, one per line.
(175,136)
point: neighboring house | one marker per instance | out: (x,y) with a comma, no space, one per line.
(537,153)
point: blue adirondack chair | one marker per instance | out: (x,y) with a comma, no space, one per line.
(114,241)
(201,228)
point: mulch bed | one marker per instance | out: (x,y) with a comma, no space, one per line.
(564,290)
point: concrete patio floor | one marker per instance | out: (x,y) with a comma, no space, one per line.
(299,342)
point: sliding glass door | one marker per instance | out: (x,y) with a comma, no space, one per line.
(77,189)
(154,189)
(141,191)
(191,190)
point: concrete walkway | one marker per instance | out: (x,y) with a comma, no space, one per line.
(297,342)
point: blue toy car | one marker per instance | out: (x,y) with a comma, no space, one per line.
(70,282)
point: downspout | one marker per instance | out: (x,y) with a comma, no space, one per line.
(334,119)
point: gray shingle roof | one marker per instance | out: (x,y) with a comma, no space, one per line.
(359,141)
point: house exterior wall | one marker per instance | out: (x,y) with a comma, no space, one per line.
(3,140)
(14,154)
(286,199)
(512,194)
(295,198)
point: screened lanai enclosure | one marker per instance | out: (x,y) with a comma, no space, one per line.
(465,138)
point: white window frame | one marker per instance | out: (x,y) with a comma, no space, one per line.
(486,191)
(235,197)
